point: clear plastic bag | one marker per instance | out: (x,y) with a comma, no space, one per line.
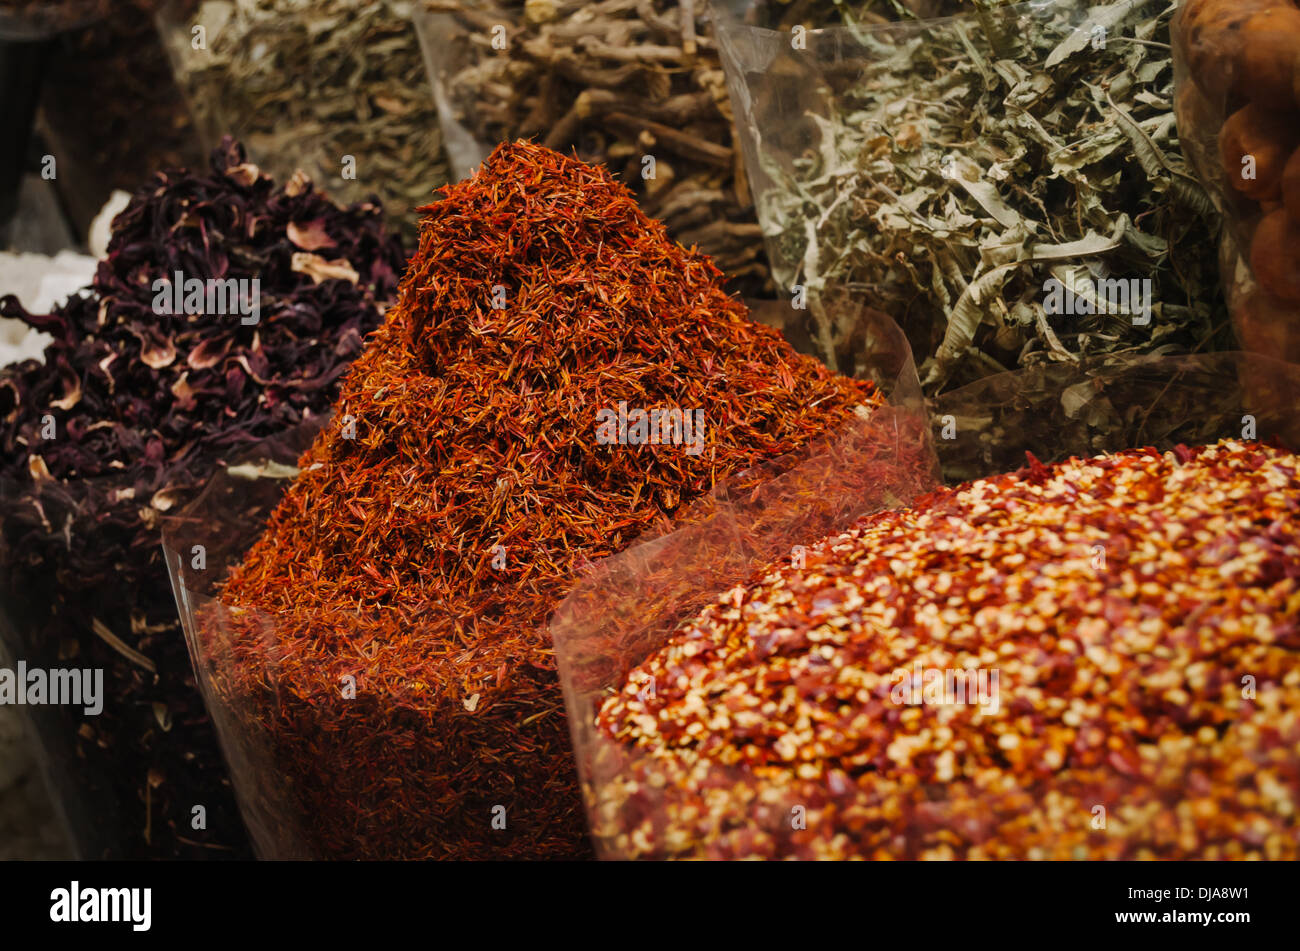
(628,605)
(448,49)
(1056,412)
(111,111)
(636,87)
(947,169)
(632,603)
(1238,108)
(85,823)
(199,544)
(337,90)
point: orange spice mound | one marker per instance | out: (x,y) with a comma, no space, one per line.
(1126,631)
(475,440)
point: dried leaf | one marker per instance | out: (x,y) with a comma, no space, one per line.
(310,236)
(40,472)
(245,174)
(319,269)
(208,354)
(71,398)
(263,470)
(164,499)
(159,356)
(162,716)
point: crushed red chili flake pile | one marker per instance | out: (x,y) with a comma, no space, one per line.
(1140,611)
(423,557)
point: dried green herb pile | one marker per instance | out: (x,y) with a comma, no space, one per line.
(336,87)
(133,410)
(949,170)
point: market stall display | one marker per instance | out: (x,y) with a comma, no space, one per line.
(556,378)
(805,429)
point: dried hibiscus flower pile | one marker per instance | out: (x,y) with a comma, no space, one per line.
(138,401)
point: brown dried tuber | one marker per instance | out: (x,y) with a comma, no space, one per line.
(1291,187)
(1254,144)
(1275,256)
(1270,49)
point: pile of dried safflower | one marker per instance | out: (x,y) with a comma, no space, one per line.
(386,637)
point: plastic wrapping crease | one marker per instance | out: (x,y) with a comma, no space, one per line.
(629,604)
